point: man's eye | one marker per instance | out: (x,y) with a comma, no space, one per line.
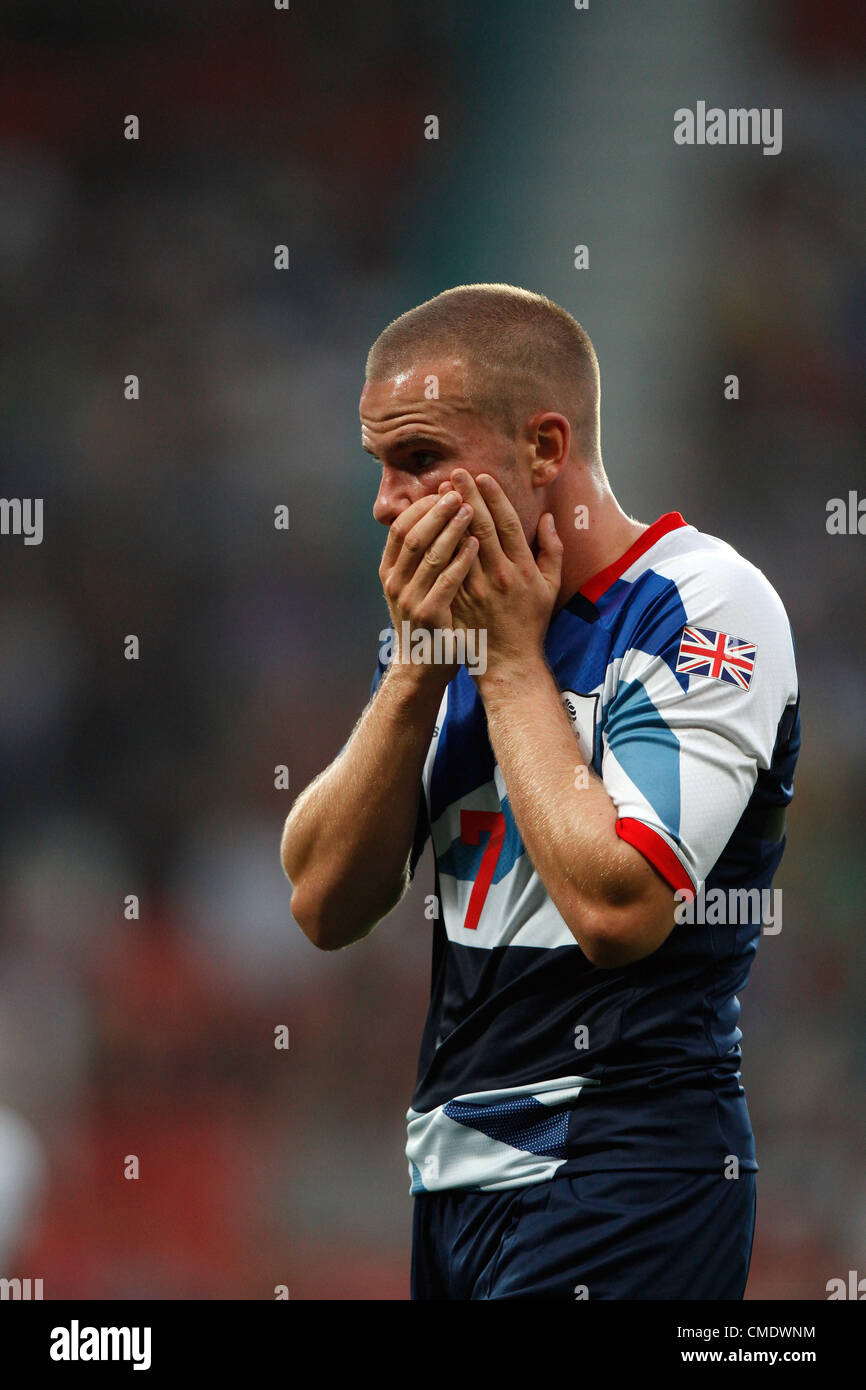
(423,458)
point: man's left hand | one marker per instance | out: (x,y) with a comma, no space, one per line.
(508,591)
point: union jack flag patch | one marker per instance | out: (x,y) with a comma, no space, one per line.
(706,653)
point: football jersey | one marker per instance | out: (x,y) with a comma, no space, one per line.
(676,668)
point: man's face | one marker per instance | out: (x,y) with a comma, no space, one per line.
(420,441)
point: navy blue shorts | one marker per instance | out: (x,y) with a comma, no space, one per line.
(636,1234)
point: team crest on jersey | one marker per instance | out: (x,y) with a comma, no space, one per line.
(706,653)
(582,711)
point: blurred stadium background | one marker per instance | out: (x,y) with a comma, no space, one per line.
(155,1037)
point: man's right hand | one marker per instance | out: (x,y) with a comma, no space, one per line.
(426,558)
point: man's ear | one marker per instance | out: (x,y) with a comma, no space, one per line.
(550,443)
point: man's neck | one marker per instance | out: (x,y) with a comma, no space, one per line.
(607,535)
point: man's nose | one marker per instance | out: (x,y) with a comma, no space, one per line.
(392,498)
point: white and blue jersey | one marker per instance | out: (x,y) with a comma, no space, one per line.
(677,670)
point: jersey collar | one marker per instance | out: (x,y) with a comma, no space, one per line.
(593,588)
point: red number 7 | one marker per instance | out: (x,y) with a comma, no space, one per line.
(472,826)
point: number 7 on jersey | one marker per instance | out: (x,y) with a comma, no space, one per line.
(473,824)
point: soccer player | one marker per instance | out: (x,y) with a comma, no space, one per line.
(623,743)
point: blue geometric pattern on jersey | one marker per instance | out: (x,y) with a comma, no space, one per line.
(647,750)
(463,861)
(573,645)
(523,1123)
(464,759)
(417,1180)
(651,622)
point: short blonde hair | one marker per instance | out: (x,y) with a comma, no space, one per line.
(524,354)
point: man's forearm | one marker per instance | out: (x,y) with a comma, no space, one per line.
(347,839)
(605,891)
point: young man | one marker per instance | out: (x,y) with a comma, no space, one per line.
(624,740)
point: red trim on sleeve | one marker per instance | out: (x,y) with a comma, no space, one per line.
(595,587)
(657,851)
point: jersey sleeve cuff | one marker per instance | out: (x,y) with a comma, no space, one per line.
(659,853)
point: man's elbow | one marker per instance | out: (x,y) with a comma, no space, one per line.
(305,905)
(308,911)
(332,904)
(331,923)
(312,923)
(608,950)
(613,936)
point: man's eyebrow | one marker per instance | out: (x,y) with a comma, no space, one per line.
(407,442)
(411,441)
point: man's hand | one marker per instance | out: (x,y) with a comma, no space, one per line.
(426,558)
(506,591)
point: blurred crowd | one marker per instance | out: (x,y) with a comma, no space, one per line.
(146,1028)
